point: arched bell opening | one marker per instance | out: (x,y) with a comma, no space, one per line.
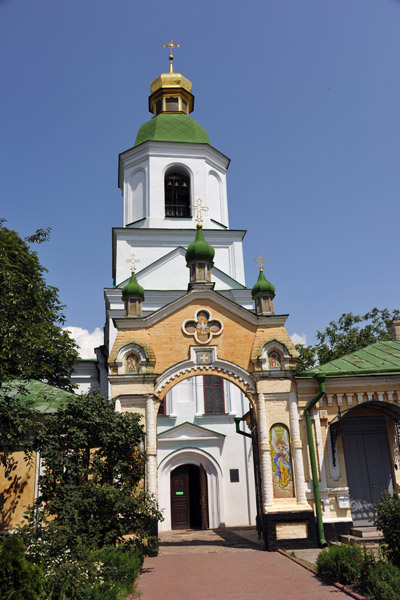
(177,193)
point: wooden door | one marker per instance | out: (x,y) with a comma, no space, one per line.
(368,466)
(180,500)
(203,498)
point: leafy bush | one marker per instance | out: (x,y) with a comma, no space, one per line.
(90,489)
(123,564)
(387,520)
(341,563)
(381,581)
(83,574)
(19,579)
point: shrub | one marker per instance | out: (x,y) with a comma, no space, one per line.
(90,489)
(121,566)
(341,563)
(19,579)
(83,574)
(387,520)
(381,581)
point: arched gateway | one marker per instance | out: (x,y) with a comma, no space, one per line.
(166,356)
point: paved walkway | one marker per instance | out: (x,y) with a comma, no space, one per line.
(223,565)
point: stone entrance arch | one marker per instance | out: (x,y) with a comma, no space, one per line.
(221,368)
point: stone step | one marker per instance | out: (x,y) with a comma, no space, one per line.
(366,532)
(354,539)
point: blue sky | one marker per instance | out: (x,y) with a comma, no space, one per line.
(303,96)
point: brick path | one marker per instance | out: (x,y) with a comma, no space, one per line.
(220,565)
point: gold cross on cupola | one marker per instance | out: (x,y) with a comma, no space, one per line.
(171,46)
(198,208)
(133,260)
(260,261)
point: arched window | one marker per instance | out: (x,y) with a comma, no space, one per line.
(177,194)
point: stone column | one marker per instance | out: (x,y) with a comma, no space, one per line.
(265,454)
(297,449)
(151,446)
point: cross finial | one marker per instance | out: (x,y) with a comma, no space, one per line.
(260,261)
(198,208)
(171,46)
(133,260)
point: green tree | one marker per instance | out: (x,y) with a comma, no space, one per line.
(348,334)
(19,578)
(32,343)
(91,492)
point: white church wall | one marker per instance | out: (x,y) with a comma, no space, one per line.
(214,195)
(135,195)
(86,376)
(207,168)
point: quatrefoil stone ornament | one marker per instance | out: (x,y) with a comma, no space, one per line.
(203,327)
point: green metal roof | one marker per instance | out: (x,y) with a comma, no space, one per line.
(42,397)
(262,286)
(200,249)
(172,128)
(373,359)
(132,288)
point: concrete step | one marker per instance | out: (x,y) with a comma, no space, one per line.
(366,532)
(354,539)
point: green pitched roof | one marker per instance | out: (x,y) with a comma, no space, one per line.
(373,359)
(172,128)
(42,397)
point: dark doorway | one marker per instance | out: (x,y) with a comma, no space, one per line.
(189,498)
(368,465)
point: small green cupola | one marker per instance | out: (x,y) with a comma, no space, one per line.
(263,293)
(200,260)
(133,296)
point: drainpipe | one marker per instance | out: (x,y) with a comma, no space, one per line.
(239,431)
(307,413)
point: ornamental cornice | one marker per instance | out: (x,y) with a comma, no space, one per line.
(204,296)
(133,378)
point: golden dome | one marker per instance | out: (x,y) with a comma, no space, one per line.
(170,80)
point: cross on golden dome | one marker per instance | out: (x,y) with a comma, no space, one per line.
(133,260)
(198,208)
(171,46)
(260,261)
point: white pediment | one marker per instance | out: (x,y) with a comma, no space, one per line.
(188,432)
(170,272)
